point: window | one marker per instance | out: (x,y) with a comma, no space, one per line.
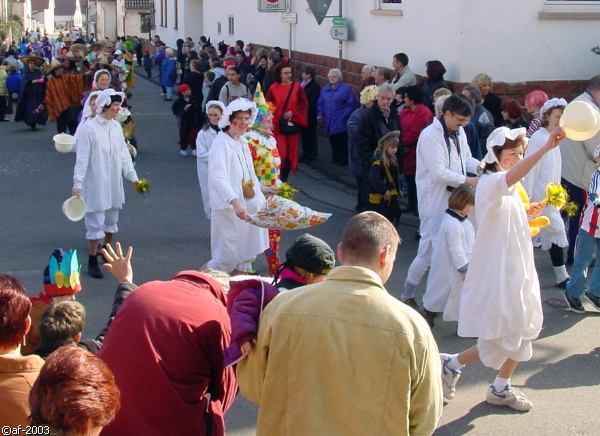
(165,7)
(176,13)
(571,9)
(387,7)
(231,25)
(219,27)
(162,13)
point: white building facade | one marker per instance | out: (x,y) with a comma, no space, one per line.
(511,40)
(182,18)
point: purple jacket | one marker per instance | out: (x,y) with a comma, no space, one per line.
(246,299)
(335,106)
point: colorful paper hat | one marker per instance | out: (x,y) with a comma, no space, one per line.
(61,275)
(262,105)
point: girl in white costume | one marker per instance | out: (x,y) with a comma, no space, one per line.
(452,248)
(234,192)
(204,140)
(548,170)
(500,303)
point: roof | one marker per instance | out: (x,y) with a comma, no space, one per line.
(64,7)
(139,4)
(39,5)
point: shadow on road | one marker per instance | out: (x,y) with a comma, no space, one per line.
(464,424)
(574,371)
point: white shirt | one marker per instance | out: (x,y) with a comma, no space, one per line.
(102,159)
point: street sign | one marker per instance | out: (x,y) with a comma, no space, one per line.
(339,22)
(289,17)
(339,33)
(272,5)
(319,8)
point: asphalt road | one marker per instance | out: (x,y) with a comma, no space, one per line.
(169,232)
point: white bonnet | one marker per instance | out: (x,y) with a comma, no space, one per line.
(104,99)
(497,138)
(216,103)
(551,103)
(239,104)
(97,73)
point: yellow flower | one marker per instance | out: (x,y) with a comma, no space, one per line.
(142,186)
(287,191)
(61,280)
(556,195)
(571,208)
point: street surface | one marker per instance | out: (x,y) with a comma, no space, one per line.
(169,232)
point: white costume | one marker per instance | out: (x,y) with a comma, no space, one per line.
(452,247)
(234,243)
(204,141)
(102,160)
(500,303)
(438,166)
(547,170)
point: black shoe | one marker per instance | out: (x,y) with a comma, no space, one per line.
(430,317)
(412,303)
(593,299)
(93,268)
(562,285)
(574,304)
(4,120)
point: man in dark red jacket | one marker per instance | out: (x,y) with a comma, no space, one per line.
(165,348)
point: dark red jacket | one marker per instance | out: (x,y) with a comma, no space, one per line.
(165,348)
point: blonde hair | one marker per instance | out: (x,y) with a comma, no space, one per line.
(389,139)
(368,94)
(440,93)
(481,79)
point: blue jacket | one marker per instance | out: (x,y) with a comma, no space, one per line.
(13,82)
(335,106)
(168,69)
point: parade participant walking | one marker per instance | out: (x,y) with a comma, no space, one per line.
(102,160)
(204,140)
(452,248)
(265,156)
(552,238)
(310,147)
(336,104)
(500,303)
(443,160)
(234,192)
(321,344)
(30,107)
(291,112)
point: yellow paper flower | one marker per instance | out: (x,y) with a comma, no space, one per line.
(556,195)
(61,280)
(74,279)
(287,191)
(142,186)
(571,208)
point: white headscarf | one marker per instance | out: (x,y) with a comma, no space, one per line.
(239,104)
(87,107)
(104,99)
(553,102)
(96,74)
(216,103)
(497,139)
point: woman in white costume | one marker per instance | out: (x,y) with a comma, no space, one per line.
(234,192)
(102,161)
(500,303)
(204,140)
(548,170)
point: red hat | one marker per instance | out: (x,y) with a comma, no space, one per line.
(228,63)
(183,88)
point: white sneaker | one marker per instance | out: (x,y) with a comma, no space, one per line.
(509,397)
(194,153)
(449,377)
(183,152)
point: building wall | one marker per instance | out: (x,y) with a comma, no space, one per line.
(467,36)
(106,24)
(189,20)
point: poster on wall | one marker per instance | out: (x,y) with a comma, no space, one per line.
(272,5)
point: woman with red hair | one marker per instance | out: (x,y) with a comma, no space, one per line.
(513,114)
(17,372)
(75,393)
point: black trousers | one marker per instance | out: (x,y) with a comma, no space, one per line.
(339,147)
(577,195)
(66,122)
(3,100)
(310,147)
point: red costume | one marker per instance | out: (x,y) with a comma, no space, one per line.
(165,348)
(298,105)
(412,122)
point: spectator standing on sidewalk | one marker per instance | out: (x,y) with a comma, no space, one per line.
(310,145)
(490,101)
(191,118)
(168,76)
(404,76)
(335,105)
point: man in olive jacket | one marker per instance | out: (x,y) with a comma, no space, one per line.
(343,356)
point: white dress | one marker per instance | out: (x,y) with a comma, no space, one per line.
(452,247)
(547,170)
(102,160)
(204,141)
(500,303)
(234,243)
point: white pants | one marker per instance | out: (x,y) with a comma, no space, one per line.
(493,353)
(242,267)
(422,261)
(98,224)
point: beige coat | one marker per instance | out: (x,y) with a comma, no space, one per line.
(343,357)
(17,375)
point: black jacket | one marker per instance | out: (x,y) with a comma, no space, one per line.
(215,88)
(312,91)
(190,117)
(374,127)
(195,80)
